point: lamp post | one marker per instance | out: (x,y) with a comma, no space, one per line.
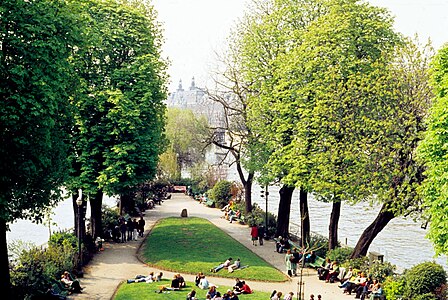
(265,193)
(79,204)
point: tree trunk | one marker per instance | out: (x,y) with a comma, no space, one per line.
(304,219)
(95,215)
(369,234)
(248,192)
(334,223)
(284,209)
(5,281)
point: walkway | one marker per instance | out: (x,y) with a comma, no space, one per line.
(119,262)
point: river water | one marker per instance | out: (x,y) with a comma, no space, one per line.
(402,242)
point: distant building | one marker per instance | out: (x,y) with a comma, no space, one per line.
(197,101)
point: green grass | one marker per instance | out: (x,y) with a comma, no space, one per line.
(143,290)
(192,245)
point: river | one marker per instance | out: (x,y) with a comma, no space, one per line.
(402,242)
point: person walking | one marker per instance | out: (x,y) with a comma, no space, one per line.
(123,230)
(141,226)
(260,234)
(254,234)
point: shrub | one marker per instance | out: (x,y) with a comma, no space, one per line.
(258,217)
(319,244)
(424,278)
(427,296)
(221,193)
(110,218)
(360,264)
(36,268)
(394,286)
(58,238)
(381,270)
(339,254)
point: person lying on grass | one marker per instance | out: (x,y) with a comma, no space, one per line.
(142,278)
(234,266)
(221,266)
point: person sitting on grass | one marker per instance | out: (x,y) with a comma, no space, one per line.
(245,289)
(191,295)
(276,296)
(233,296)
(211,292)
(72,285)
(203,283)
(234,266)
(181,280)
(197,279)
(159,277)
(223,265)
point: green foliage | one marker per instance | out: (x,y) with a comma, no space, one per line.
(36,268)
(319,244)
(193,237)
(61,238)
(360,264)
(186,134)
(339,254)
(381,270)
(110,217)
(221,193)
(427,296)
(394,286)
(258,217)
(432,151)
(424,278)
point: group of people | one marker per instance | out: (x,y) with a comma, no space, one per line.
(126,230)
(329,272)
(361,285)
(278,295)
(240,287)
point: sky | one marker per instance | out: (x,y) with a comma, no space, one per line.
(195,29)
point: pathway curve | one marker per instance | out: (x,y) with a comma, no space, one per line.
(119,262)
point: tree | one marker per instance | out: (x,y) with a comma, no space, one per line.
(186,134)
(120,112)
(36,81)
(432,152)
(269,30)
(395,173)
(324,84)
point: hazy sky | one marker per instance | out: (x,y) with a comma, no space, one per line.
(194,29)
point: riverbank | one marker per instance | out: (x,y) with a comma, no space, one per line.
(119,262)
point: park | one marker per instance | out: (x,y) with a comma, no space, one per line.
(322,98)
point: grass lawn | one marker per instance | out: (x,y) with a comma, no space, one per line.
(144,290)
(193,245)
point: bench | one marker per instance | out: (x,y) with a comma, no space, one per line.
(210,203)
(318,262)
(59,290)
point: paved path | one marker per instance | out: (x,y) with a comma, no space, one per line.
(119,262)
